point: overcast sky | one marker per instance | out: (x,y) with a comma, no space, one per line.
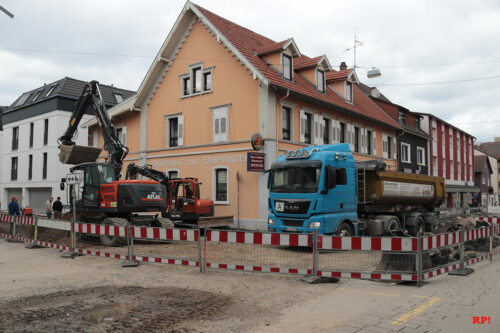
(409,41)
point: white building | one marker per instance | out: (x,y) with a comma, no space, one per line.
(30,167)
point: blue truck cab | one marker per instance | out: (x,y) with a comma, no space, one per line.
(314,188)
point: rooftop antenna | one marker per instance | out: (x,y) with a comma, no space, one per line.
(7,12)
(356,44)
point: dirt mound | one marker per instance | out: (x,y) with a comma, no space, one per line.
(117,309)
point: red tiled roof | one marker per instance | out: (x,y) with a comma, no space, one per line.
(305,62)
(337,75)
(271,47)
(247,42)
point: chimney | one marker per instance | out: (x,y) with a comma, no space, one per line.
(343,66)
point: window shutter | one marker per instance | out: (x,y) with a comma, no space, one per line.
(302,125)
(374,143)
(180,130)
(335,131)
(350,136)
(223,127)
(316,130)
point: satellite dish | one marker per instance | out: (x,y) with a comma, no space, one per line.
(375,93)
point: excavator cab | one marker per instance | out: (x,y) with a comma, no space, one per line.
(94,175)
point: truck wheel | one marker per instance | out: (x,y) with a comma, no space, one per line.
(345,230)
(392,226)
(112,221)
(163,222)
(418,227)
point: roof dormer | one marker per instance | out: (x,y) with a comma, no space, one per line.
(314,70)
(342,82)
(280,55)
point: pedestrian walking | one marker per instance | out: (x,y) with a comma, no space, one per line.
(57,208)
(13,210)
(48,208)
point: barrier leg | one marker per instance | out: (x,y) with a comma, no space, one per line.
(13,230)
(462,271)
(130,262)
(34,245)
(418,259)
(492,230)
(314,278)
(200,259)
(204,263)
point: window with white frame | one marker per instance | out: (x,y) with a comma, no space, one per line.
(287,67)
(220,123)
(420,156)
(388,150)
(306,127)
(405,153)
(286,123)
(320,80)
(343,133)
(197,81)
(121,134)
(348,91)
(221,185)
(175,131)
(357,140)
(484,180)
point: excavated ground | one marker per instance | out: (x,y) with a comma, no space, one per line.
(117,309)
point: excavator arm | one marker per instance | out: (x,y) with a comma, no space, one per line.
(147,171)
(73,154)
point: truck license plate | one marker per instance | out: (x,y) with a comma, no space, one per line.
(290,229)
(280,206)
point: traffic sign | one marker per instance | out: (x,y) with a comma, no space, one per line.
(73,178)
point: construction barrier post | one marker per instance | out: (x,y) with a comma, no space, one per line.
(200,259)
(130,262)
(204,264)
(462,271)
(13,230)
(492,230)
(34,245)
(418,259)
(315,253)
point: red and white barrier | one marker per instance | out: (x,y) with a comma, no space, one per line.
(188,235)
(27,220)
(399,244)
(368,276)
(494,220)
(223,236)
(265,269)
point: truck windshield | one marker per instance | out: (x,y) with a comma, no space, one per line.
(296,179)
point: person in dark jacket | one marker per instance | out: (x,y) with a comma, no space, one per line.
(13,210)
(57,207)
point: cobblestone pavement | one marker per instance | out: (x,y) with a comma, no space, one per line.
(443,304)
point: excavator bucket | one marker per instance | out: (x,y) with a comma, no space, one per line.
(78,154)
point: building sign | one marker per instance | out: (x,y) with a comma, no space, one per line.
(255,161)
(257,141)
(204,160)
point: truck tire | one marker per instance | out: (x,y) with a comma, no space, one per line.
(112,221)
(417,227)
(391,227)
(163,222)
(345,230)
